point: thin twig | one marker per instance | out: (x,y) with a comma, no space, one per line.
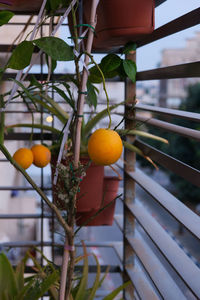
(71,220)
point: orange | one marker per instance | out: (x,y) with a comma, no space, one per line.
(41,156)
(24,157)
(105,146)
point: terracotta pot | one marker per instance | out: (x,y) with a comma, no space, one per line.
(106,217)
(91,187)
(119,22)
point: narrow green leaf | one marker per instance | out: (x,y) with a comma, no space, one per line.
(64,96)
(104,276)
(110,63)
(130,69)
(19,274)
(4,295)
(41,287)
(142,133)
(35,82)
(84,280)
(96,281)
(139,152)
(133,148)
(114,293)
(56,48)
(55,110)
(21,56)
(7,277)
(57,107)
(26,288)
(92,123)
(5,17)
(91,95)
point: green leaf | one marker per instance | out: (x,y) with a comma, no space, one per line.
(55,109)
(114,293)
(80,295)
(20,275)
(55,4)
(41,287)
(129,47)
(5,17)
(133,148)
(21,56)
(96,281)
(141,133)
(104,276)
(29,283)
(36,126)
(130,69)
(52,63)
(7,277)
(64,96)
(92,122)
(35,82)
(56,48)
(95,75)
(91,95)
(110,63)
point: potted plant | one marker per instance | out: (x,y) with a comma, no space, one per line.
(17,283)
(74,133)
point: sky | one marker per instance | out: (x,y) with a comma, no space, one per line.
(149,56)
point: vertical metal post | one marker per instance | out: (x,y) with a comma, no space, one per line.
(129,184)
(41,172)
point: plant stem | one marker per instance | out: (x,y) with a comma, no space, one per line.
(64,268)
(104,88)
(80,107)
(84,83)
(2,119)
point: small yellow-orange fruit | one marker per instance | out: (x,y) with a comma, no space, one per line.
(41,156)
(105,146)
(24,157)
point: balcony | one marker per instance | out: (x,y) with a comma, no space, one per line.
(154,240)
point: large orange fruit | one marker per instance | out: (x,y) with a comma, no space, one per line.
(24,157)
(105,146)
(41,156)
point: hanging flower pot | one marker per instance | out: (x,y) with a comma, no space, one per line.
(119,22)
(90,193)
(106,217)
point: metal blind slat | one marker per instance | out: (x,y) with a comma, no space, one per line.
(179,71)
(184,131)
(186,21)
(178,167)
(170,112)
(141,284)
(183,265)
(168,288)
(182,213)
